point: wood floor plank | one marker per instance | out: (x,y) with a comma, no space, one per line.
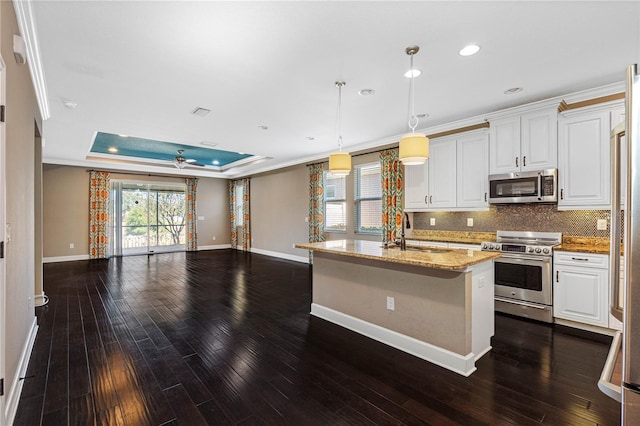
(225,337)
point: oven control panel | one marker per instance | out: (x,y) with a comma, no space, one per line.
(517,248)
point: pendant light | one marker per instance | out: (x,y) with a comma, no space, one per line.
(414,147)
(339,162)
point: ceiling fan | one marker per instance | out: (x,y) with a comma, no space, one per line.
(181,162)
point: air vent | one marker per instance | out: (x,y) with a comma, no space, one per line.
(201,112)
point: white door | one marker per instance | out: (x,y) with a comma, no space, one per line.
(505,145)
(416,190)
(3,181)
(539,144)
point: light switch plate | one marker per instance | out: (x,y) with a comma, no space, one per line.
(391,303)
(432,221)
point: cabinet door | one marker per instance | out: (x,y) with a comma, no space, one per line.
(416,187)
(473,171)
(504,148)
(539,144)
(442,174)
(584,180)
(581,294)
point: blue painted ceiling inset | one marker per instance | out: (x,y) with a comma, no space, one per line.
(158,150)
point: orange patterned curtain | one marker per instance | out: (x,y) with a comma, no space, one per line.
(192,217)
(99,189)
(392,191)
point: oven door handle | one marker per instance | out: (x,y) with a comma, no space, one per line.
(520,302)
(522,259)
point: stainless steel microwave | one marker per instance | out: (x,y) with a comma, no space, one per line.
(539,186)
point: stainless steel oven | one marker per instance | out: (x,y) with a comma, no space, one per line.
(523,274)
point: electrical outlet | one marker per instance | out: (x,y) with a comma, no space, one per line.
(293,245)
(602,224)
(432,221)
(391,303)
(306,219)
(470,221)
(214,238)
(200,217)
(71,245)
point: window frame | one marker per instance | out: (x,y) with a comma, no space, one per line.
(357,199)
(334,200)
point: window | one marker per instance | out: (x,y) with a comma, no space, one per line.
(335,205)
(368,198)
(238,207)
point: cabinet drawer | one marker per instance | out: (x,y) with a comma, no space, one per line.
(586,260)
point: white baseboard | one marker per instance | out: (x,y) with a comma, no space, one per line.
(13,396)
(65,258)
(461,364)
(215,247)
(287,256)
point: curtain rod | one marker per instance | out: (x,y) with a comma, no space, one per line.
(141,174)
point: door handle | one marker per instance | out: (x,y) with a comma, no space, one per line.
(561,194)
(580,259)
(485,197)
(516,161)
(425,199)
(524,161)
(430,199)
(557,276)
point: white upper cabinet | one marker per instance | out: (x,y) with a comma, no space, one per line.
(416,187)
(617,117)
(524,142)
(442,174)
(473,171)
(454,178)
(584,180)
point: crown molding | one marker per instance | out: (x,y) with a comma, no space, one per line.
(27,26)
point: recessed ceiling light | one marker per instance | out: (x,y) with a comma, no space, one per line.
(469,50)
(207,143)
(422,115)
(412,73)
(367,92)
(113,149)
(310,138)
(513,90)
(263,127)
(216,162)
(123,136)
(69,104)
(190,160)
(240,153)
(200,112)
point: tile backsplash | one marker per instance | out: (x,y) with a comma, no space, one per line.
(519,217)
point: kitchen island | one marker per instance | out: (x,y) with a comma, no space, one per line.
(436,304)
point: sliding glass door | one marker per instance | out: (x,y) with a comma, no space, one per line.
(148,218)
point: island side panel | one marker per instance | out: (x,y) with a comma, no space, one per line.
(431,305)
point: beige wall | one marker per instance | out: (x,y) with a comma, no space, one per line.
(213,205)
(279,205)
(22,117)
(65,211)
(66,216)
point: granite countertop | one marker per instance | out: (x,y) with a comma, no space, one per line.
(452,236)
(449,259)
(584,245)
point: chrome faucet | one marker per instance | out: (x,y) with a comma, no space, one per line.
(403,240)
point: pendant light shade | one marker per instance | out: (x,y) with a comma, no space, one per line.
(414,147)
(339,162)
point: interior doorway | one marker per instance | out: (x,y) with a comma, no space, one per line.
(148,218)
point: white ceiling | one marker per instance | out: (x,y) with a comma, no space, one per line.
(140,67)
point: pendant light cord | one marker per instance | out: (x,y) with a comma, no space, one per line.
(413,120)
(338,121)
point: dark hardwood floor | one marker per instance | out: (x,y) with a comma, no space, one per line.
(223,337)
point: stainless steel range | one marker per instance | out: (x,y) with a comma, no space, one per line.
(524,273)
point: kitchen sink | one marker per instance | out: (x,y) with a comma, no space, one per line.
(433,250)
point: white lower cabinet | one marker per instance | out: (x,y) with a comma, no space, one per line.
(581,287)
